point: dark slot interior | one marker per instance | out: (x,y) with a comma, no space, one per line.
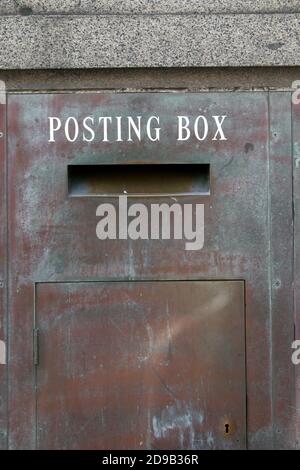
(172,179)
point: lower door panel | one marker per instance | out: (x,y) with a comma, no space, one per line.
(141,365)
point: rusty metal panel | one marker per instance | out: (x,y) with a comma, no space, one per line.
(3,278)
(52,234)
(296,200)
(135,365)
(281,269)
(52,237)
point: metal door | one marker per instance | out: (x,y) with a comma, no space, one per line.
(135,365)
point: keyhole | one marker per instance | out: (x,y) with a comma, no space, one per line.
(226,428)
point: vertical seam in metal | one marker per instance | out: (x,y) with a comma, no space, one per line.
(245,360)
(293,257)
(35,365)
(7,271)
(270,290)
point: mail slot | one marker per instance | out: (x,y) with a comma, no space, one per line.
(137,338)
(139,180)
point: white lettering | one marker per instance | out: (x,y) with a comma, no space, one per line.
(196,129)
(105,120)
(89,129)
(219,127)
(53,129)
(182,126)
(156,129)
(136,128)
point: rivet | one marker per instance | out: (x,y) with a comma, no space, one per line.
(277,284)
(1,135)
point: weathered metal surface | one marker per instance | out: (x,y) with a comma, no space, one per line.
(3,279)
(296,188)
(281,269)
(52,236)
(135,365)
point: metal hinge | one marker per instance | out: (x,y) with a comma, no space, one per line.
(36,346)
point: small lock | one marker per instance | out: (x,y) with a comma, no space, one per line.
(228,427)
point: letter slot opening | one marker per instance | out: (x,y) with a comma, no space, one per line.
(107,180)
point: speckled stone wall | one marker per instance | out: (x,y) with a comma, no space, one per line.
(146,6)
(100,34)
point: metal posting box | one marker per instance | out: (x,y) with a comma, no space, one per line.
(142,343)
